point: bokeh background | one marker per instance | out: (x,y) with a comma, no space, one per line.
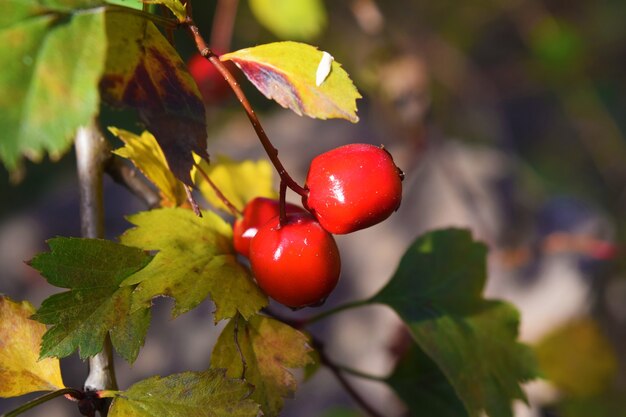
(508,118)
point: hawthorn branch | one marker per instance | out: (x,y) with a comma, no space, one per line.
(126,176)
(223,23)
(271,151)
(92,151)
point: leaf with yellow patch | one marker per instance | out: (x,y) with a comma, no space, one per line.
(269,348)
(20,337)
(286,72)
(148,157)
(196,259)
(240,182)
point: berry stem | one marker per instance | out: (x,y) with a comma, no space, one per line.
(74,393)
(271,151)
(231,207)
(282,211)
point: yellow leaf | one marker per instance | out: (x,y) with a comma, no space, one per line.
(20,338)
(240,182)
(148,157)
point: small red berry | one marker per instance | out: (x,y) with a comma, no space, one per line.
(257,212)
(210,82)
(353,187)
(297,263)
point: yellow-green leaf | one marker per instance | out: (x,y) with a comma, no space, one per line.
(288,19)
(208,394)
(20,337)
(269,348)
(585,371)
(148,157)
(240,182)
(196,259)
(175,6)
(286,72)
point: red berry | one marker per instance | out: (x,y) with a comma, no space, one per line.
(297,263)
(256,213)
(353,187)
(210,82)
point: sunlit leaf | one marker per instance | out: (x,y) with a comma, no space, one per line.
(206,394)
(175,6)
(285,72)
(20,337)
(288,19)
(144,72)
(95,305)
(585,371)
(196,259)
(45,95)
(437,290)
(148,157)
(240,182)
(269,348)
(134,4)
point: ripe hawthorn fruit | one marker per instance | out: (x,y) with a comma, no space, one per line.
(296,263)
(211,84)
(353,187)
(257,212)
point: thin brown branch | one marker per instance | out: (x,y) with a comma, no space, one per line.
(234,210)
(271,151)
(126,176)
(192,201)
(223,24)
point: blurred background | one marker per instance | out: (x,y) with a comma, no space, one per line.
(508,117)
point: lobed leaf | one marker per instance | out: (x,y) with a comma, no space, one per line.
(144,72)
(148,157)
(196,259)
(208,394)
(240,182)
(422,386)
(287,19)
(46,96)
(437,290)
(286,72)
(20,338)
(269,348)
(96,304)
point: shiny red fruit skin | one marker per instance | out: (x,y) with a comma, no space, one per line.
(257,212)
(211,84)
(297,264)
(353,187)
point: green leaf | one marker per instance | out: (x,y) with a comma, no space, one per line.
(437,290)
(240,182)
(20,337)
(418,381)
(95,305)
(269,347)
(288,19)
(286,72)
(133,4)
(144,72)
(51,65)
(195,259)
(175,6)
(208,394)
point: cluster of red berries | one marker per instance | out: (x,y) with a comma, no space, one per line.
(296,261)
